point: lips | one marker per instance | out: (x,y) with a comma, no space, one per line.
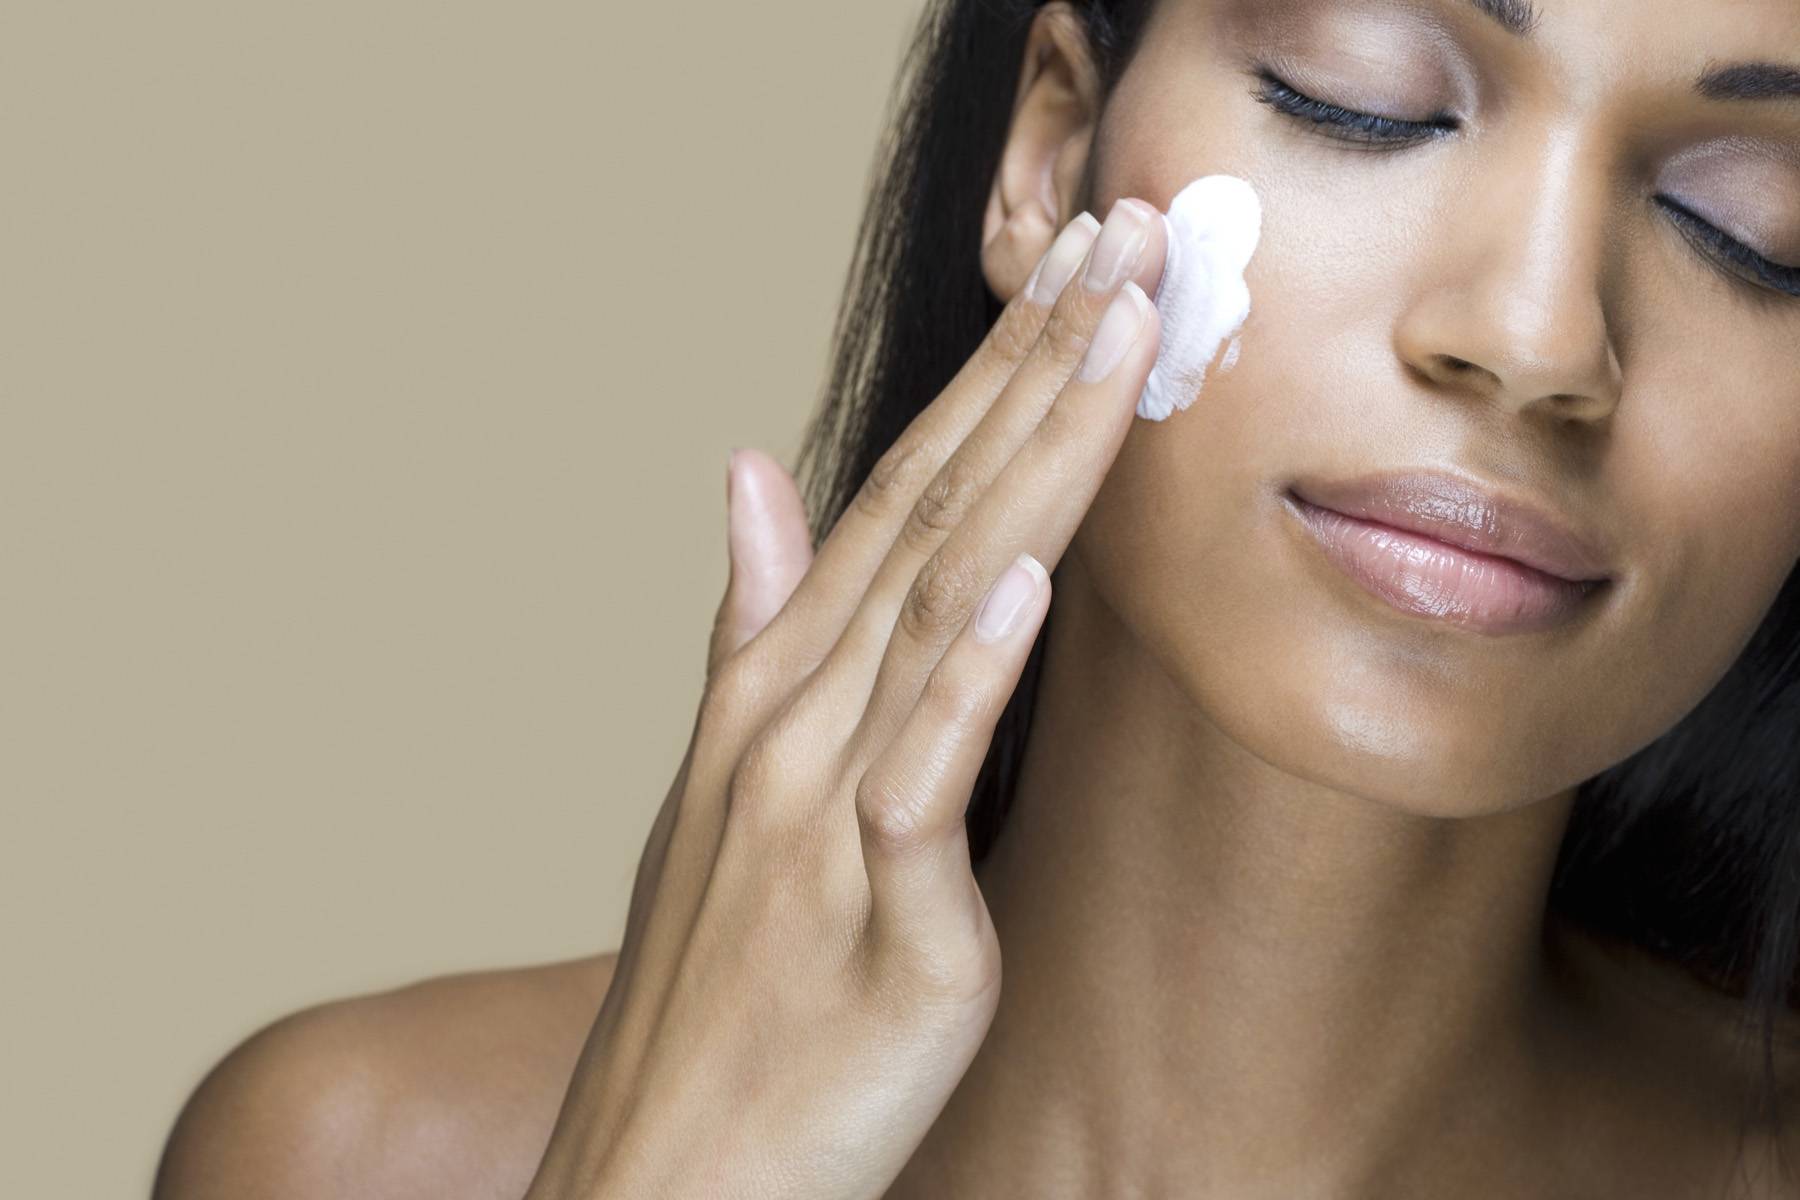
(1461,514)
(1441,546)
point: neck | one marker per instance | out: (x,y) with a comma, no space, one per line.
(1222,974)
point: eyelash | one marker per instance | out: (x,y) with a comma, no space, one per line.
(1370,131)
(1365,128)
(1739,259)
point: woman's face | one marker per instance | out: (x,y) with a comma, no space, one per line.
(1511,299)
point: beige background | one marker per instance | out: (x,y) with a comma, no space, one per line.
(367,373)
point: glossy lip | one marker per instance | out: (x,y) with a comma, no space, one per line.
(1440,546)
(1461,513)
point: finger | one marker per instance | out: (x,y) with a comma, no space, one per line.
(770,549)
(896,604)
(1037,502)
(1134,238)
(911,800)
(821,605)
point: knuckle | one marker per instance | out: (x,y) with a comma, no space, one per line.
(761,773)
(942,504)
(889,817)
(893,477)
(936,602)
(958,968)
(957,699)
(775,779)
(1014,333)
(1065,336)
(972,971)
(729,691)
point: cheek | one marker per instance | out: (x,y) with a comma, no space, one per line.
(1705,484)
(1189,546)
(1314,380)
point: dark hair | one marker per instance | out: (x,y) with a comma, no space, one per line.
(1689,849)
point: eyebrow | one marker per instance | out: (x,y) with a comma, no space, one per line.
(1750,81)
(1739,81)
(1517,17)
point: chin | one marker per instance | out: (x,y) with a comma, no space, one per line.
(1335,717)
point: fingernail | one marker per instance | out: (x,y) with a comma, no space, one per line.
(1065,255)
(1118,330)
(1008,599)
(1120,245)
(1169,244)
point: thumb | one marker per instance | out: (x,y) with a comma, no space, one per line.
(769,544)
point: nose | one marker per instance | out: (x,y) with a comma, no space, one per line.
(1513,309)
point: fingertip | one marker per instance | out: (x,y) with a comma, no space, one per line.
(771,489)
(740,517)
(1150,335)
(771,544)
(1061,261)
(1149,273)
(1022,238)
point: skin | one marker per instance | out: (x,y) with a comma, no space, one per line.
(1271,900)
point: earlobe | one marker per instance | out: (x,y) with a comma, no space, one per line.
(1036,181)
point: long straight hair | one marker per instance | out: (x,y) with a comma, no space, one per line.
(1689,849)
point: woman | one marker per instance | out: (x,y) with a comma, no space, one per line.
(1324,858)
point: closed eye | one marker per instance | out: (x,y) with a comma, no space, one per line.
(1347,124)
(1374,131)
(1730,255)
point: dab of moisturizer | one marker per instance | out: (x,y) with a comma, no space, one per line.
(1213,225)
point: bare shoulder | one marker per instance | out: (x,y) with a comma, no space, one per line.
(447,1088)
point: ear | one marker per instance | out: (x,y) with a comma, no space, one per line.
(1038,180)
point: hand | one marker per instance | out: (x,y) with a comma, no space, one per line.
(808,966)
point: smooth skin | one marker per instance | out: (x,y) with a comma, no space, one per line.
(1271,899)
(806,935)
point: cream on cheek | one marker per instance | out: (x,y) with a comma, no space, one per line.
(1214,224)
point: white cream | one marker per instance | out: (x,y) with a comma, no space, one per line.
(1214,224)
